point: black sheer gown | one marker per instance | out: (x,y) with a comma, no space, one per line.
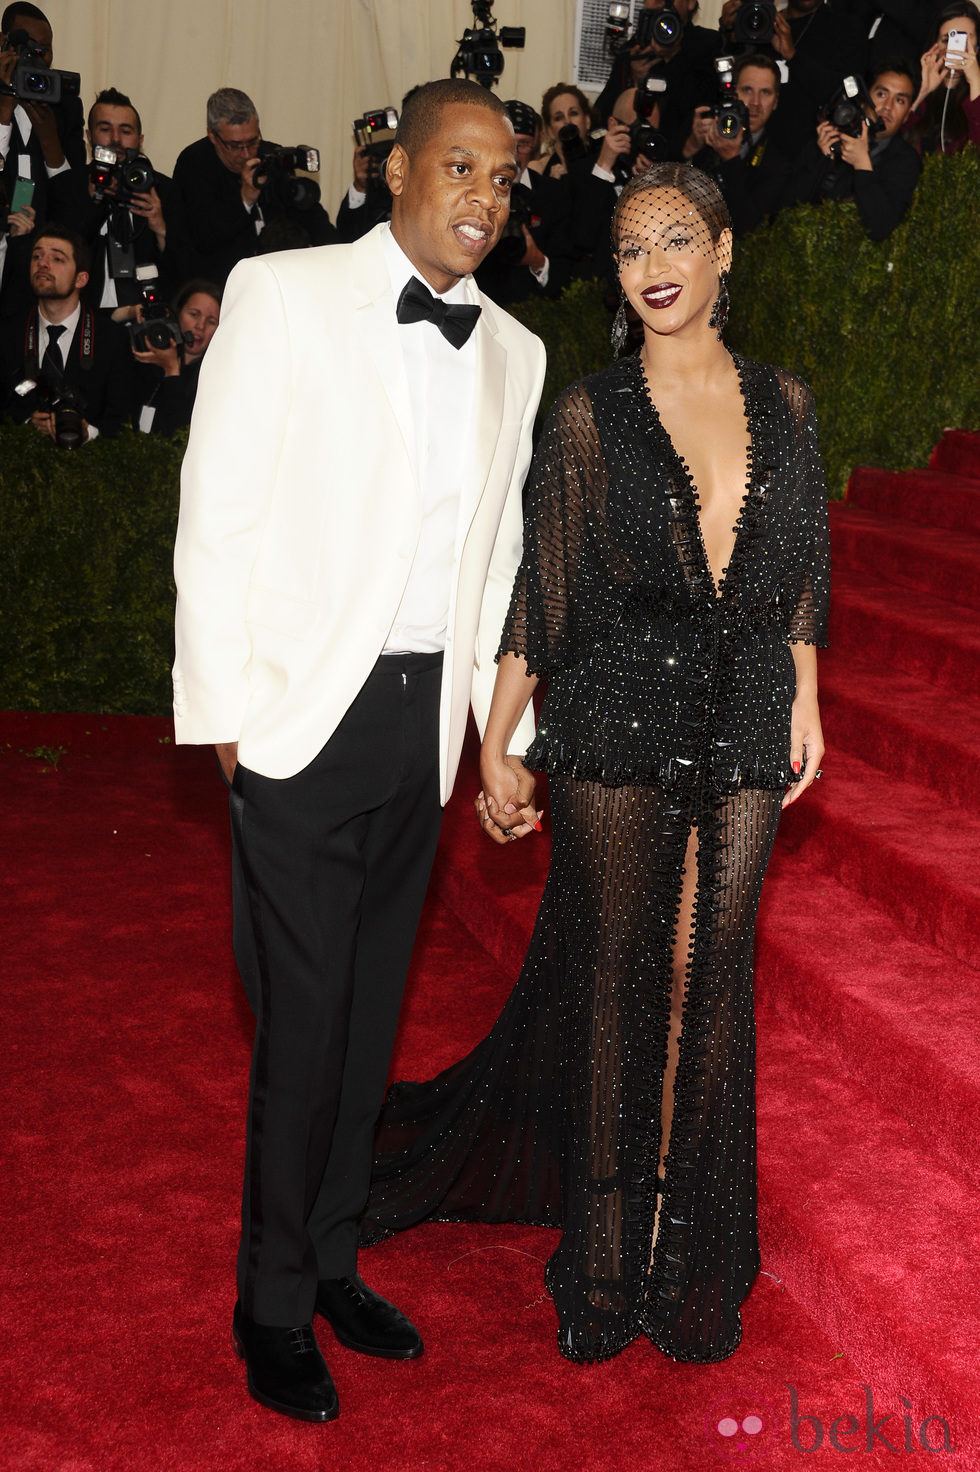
(667,709)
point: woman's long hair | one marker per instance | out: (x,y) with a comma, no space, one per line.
(931,130)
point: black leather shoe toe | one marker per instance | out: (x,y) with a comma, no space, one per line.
(363,1320)
(286,1370)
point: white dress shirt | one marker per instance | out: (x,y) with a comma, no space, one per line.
(70,324)
(442,388)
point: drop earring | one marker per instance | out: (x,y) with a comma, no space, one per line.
(620,327)
(719,312)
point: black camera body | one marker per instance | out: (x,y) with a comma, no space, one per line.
(653,28)
(375,133)
(479,55)
(730,113)
(511,246)
(277,180)
(66,404)
(119,179)
(32,81)
(644,138)
(158,328)
(755,23)
(848,110)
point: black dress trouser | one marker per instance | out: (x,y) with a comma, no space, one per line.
(330,869)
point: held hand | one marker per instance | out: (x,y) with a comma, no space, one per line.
(827,135)
(700,131)
(44,422)
(854,151)
(970,68)
(227,753)
(362,170)
(782,37)
(806,748)
(728,13)
(23,222)
(933,64)
(725,148)
(250,192)
(8,60)
(43,119)
(166,358)
(149,206)
(505,807)
(614,145)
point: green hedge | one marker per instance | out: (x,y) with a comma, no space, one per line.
(885,333)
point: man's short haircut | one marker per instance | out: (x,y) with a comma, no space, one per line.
(756,58)
(230,106)
(31,12)
(79,248)
(112,97)
(903,66)
(422,109)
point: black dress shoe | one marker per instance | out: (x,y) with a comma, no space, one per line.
(363,1320)
(286,1370)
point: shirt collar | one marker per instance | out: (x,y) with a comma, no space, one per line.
(401,271)
(69,323)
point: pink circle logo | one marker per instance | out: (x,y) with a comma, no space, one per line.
(740,1426)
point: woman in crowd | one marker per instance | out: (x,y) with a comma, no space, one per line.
(168,401)
(562,106)
(946,113)
(673,591)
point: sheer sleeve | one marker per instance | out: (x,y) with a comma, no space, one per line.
(808,621)
(567,482)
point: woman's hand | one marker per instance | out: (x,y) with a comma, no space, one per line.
(970,67)
(933,64)
(166,358)
(806,748)
(505,807)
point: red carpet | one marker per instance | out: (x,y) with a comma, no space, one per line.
(126,1048)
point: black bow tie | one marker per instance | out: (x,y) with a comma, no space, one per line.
(417,304)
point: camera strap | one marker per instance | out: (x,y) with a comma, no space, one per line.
(85,337)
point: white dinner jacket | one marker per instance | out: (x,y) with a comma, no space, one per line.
(299,508)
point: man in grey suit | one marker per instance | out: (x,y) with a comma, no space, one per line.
(349,532)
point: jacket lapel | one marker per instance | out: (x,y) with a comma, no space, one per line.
(371,297)
(491,379)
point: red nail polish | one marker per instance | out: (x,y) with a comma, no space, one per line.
(796,767)
(538,826)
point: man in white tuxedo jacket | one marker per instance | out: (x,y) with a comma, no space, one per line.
(350,527)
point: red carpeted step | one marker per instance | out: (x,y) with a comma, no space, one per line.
(898,1016)
(919,558)
(867,1225)
(899,845)
(922,636)
(899,724)
(929,497)
(957,453)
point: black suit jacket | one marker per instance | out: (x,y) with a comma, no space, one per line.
(882,196)
(69,121)
(105,380)
(220,229)
(500,275)
(754,187)
(74,206)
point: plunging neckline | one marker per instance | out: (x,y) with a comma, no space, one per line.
(719,586)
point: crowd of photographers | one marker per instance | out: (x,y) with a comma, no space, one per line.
(111,272)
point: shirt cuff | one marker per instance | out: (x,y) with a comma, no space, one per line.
(541,276)
(600,173)
(93,433)
(6,131)
(355,198)
(63,168)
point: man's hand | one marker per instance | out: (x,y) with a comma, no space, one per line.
(227,759)
(855,151)
(827,136)
(148,205)
(44,421)
(782,37)
(699,135)
(614,145)
(725,148)
(8,60)
(250,191)
(23,222)
(728,13)
(43,122)
(505,807)
(362,170)
(533,257)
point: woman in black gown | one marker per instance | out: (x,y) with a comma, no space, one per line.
(673,591)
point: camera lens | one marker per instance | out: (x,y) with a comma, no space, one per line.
(667,28)
(37,83)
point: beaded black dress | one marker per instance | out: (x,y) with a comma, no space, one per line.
(668,707)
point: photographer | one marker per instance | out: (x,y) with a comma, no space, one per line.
(531,257)
(221,180)
(77,359)
(125,227)
(817,42)
(16,229)
(749,168)
(685,66)
(170,380)
(867,161)
(946,114)
(38,140)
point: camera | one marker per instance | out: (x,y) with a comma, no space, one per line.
(276,177)
(730,113)
(479,55)
(617,22)
(66,404)
(644,137)
(158,328)
(118,178)
(755,23)
(32,81)
(375,133)
(653,28)
(848,110)
(511,246)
